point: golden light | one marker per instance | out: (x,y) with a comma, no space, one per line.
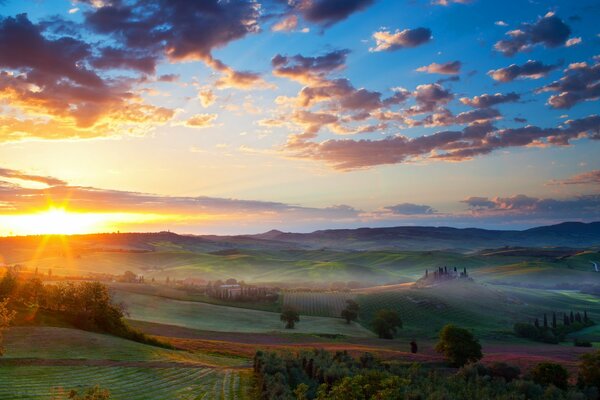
(60,221)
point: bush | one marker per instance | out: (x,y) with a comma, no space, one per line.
(589,369)
(504,370)
(386,323)
(582,343)
(548,373)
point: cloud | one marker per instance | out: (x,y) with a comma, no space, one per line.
(489,100)
(584,178)
(329,12)
(410,209)
(449,68)
(573,42)
(15,199)
(201,121)
(474,140)
(207,97)
(585,207)
(429,97)
(15,174)
(180,31)
(308,69)
(549,31)
(288,24)
(530,70)
(49,83)
(581,82)
(448,2)
(388,41)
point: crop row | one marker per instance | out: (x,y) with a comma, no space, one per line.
(130,383)
(329,304)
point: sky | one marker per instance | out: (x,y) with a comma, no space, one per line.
(231,117)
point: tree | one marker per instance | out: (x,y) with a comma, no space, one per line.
(458,345)
(547,373)
(9,282)
(589,369)
(386,323)
(554,320)
(350,313)
(6,317)
(290,316)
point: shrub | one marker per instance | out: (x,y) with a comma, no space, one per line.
(548,373)
(504,370)
(589,369)
(386,323)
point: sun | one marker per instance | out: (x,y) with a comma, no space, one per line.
(57,221)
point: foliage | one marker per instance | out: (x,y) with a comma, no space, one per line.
(323,375)
(555,333)
(350,313)
(589,369)
(6,316)
(290,316)
(458,345)
(548,373)
(94,393)
(386,323)
(84,305)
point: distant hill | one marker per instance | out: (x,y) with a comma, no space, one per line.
(573,235)
(568,234)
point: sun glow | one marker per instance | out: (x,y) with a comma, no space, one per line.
(60,221)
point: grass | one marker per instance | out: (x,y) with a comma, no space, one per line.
(490,311)
(52,343)
(212,317)
(124,383)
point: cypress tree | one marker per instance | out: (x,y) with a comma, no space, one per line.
(537,323)
(578,317)
(566,321)
(554,320)
(585,317)
(572,317)
(545,321)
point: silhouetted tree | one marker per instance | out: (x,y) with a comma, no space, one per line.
(553,320)
(290,316)
(458,345)
(6,316)
(350,313)
(571,317)
(386,323)
(536,323)
(413,347)
(545,321)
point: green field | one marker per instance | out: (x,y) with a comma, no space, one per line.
(124,383)
(44,361)
(490,310)
(212,317)
(324,304)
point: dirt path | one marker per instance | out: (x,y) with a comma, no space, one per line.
(595,266)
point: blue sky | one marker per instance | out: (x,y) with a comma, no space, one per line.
(242,116)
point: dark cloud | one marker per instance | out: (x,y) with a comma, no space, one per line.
(489,100)
(531,70)
(115,58)
(577,208)
(328,12)
(445,117)
(51,77)
(179,30)
(307,69)
(474,140)
(584,178)
(581,82)
(15,174)
(389,41)
(410,209)
(449,68)
(549,31)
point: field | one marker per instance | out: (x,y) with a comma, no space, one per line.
(490,310)
(324,304)
(42,362)
(212,317)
